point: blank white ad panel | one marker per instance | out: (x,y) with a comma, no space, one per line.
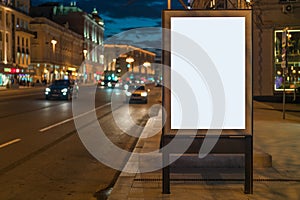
(221,60)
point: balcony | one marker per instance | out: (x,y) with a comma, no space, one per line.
(24,30)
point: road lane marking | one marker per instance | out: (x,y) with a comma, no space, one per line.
(72,118)
(10,142)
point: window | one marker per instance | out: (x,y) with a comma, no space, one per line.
(292,69)
(1,47)
(287,1)
(7,20)
(26,25)
(87,31)
(18,23)
(18,58)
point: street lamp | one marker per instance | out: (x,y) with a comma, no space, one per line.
(84,65)
(146,65)
(249,3)
(84,53)
(53,42)
(130,60)
(294,79)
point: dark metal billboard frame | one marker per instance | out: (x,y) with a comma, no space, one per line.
(230,141)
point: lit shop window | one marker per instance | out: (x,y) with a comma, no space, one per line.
(286,60)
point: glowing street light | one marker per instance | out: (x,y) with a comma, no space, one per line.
(146,65)
(53,42)
(84,53)
(249,3)
(130,60)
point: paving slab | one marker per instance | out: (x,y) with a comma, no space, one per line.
(274,136)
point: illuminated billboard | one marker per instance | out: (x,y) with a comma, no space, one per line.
(210,57)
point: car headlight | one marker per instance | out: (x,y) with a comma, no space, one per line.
(144,94)
(48,90)
(128,93)
(64,90)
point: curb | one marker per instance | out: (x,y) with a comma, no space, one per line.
(125,181)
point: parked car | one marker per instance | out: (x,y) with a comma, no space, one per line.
(62,89)
(137,93)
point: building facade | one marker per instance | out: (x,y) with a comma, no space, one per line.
(270,17)
(56,51)
(15,35)
(128,63)
(89,26)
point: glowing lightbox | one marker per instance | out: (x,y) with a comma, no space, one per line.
(210,61)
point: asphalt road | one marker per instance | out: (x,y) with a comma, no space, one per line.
(41,154)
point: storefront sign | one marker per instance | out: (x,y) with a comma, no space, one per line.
(9,70)
(71,69)
(12,70)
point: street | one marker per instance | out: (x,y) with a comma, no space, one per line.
(41,154)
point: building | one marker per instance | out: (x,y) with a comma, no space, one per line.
(56,51)
(128,63)
(219,4)
(15,55)
(89,26)
(270,17)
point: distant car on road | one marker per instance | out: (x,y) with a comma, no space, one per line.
(108,84)
(62,89)
(137,93)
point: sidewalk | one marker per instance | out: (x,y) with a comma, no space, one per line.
(20,88)
(273,135)
(16,92)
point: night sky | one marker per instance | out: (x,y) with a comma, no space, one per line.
(123,15)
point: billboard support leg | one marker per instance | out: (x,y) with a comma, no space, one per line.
(166,172)
(248,165)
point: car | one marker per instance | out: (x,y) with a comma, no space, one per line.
(158,83)
(137,93)
(107,83)
(62,89)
